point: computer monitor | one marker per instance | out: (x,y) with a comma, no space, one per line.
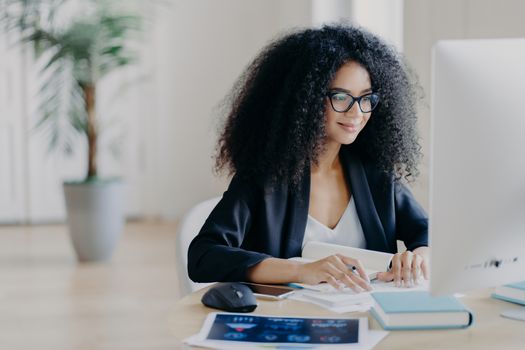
(477,171)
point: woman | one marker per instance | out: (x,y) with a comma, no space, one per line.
(320,133)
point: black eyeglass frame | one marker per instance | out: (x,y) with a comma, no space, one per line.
(330,94)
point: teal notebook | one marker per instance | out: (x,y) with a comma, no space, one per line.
(514,292)
(419,310)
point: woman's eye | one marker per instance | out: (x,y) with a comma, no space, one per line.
(339,97)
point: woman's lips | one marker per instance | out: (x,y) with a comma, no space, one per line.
(349,127)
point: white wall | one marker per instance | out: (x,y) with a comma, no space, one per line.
(382,17)
(13,192)
(426,21)
(201,48)
(330,11)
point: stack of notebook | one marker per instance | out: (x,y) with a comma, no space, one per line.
(419,310)
(515,293)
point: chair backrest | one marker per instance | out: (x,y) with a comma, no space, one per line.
(189,227)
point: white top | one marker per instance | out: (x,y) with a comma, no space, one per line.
(347,232)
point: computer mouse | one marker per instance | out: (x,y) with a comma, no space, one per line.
(231,297)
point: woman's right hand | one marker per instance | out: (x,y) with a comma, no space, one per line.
(337,271)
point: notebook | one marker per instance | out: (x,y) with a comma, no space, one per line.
(375,261)
(337,299)
(419,310)
(514,292)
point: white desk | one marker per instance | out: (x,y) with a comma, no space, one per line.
(489,331)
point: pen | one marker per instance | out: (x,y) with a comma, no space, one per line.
(294,285)
(372,277)
(299,286)
(353,268)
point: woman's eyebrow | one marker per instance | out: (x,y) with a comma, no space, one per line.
(349,92)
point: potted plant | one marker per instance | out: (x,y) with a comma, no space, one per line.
(76,50)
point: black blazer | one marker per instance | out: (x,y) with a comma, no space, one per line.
(253,221)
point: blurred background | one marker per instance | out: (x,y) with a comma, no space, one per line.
(163,110)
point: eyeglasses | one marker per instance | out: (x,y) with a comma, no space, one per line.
(342,102)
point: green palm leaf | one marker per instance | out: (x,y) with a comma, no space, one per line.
(73,57)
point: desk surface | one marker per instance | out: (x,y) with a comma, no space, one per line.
(489,331)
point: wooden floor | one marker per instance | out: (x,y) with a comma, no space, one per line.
(49,301)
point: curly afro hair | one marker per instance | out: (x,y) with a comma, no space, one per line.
(275,124)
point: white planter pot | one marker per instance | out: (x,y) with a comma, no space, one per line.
(95,216)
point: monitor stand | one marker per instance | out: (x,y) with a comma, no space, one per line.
(515,314)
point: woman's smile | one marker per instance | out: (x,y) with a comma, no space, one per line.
(349,127)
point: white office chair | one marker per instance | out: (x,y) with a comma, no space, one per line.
(189,227)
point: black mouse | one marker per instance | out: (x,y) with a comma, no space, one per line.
(231,297)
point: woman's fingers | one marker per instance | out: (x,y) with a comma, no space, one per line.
(416,268)
(336,277)
(337,271)
(406,268)
(355,271)
(348,275)
(333,282)
(424,268)
(357,280)
(385,276)
(351,282)
(396,269)
(358,266)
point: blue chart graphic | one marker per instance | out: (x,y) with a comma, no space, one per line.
(262,329)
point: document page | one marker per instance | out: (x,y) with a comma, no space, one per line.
(252,331)
(345,299)
(372,260)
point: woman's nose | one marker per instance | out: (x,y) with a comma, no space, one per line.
(354,111)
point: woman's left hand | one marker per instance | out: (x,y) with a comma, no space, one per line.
(407,268)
